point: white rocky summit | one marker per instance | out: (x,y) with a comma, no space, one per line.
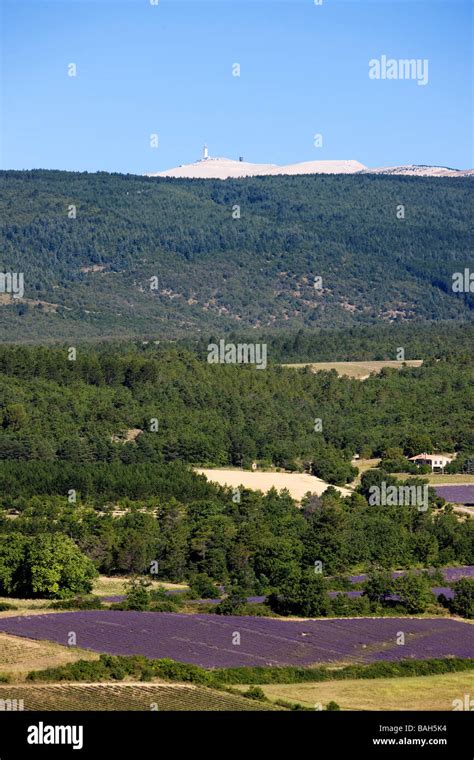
(209,167)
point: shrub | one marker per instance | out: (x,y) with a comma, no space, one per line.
(248,609)
(234,604)
(291,674)
(340,583)
(295,706)
(180,671)
(168,605)
(331,465)
(137,595)
(4,606)
(202,587)
(79,602)
(106,668)
(345,606)
(331,706)
(116,667)
(255,692)
(159,594)
(378,586)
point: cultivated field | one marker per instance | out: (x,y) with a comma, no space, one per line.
(298,484)
(356,370)
(19,655)
(127,696)
(208,640)
(417,693)
(460,495)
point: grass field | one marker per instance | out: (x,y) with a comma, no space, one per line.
(363,465)
(106,585)
(127,696)
(23,606)
(438,479)
(418,693)
(20,655)
(356,370)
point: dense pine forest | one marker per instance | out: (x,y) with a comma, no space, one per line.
(421,340)
(120,255)
(180,407)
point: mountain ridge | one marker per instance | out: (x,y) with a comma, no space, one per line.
(227,168)
(170,257)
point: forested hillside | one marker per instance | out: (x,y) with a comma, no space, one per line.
(180,407)
(437,340)
(239,254)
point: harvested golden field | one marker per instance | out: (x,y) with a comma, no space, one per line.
(417,693)
(356,370)
(19,655)
(127,696)
(297,483)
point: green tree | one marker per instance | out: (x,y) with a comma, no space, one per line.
(14,417)
(137,544)
(463,601)
(414,591)
(304,595)
(378,586)
(47,565)
(12,552)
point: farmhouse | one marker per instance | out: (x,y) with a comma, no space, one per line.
(437,462)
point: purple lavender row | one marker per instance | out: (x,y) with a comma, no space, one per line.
(457,494)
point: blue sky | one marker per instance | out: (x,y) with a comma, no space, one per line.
(167,69)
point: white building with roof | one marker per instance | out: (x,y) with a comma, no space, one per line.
(437,462)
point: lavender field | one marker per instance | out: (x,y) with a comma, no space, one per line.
(207,640)
(456,494)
